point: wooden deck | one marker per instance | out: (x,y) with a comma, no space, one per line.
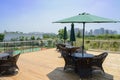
(48,65)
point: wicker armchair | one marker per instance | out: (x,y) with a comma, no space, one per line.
(79,50)
(69,61)
(72,50)
(84,68)
(62,50)
(98,61)
(58,46)
(9,66)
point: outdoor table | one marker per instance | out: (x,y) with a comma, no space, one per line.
(83,64)
(69,46)
(4,56)
(79,55)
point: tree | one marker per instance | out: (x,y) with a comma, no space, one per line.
(107,33)
(61,33)
(26,38)
(79,34)
(32,38)
(46,36)
(13,39)
(21,38)
(1,37)
(38,38)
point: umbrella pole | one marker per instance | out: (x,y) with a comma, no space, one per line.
(83,39)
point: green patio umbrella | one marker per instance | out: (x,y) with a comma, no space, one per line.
(86,18)
(65,34)
(72,34)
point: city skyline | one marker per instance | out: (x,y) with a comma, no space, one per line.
(38,15)
(17,35)
(91,31)
(98,31)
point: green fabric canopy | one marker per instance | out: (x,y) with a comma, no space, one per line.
(86,18)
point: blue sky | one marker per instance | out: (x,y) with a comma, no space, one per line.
(38,15)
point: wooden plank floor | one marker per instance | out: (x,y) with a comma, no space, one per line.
(47,65)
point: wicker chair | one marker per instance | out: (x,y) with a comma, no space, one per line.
(84,68)
(58,46)
(9,66)
(98,61)
(69,61)
(72,50)
(66,53)
(79,50)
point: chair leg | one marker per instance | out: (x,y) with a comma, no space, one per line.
(102,69)
(65,67)
(16,67)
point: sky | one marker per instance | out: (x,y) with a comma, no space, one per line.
(38,15)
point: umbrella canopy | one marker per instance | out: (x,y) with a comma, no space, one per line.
(65,34)
(86,18)
(72,34)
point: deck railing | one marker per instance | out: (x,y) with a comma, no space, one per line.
(101,45)
(35,45)
(20,46)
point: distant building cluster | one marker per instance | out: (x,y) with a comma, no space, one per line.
(101,31)
(17,35)
(8,36)
(95,31)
